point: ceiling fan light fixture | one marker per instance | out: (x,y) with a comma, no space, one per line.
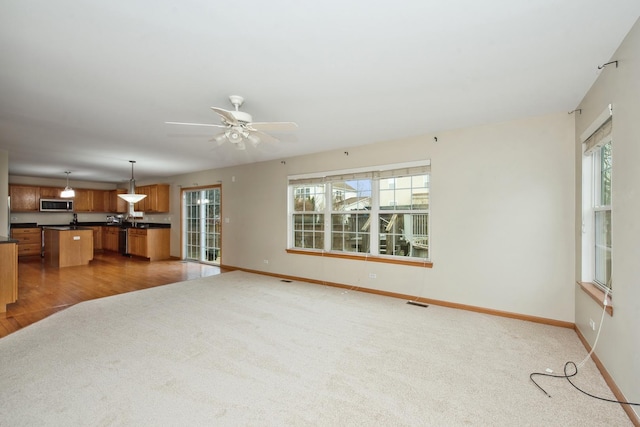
(131,196)
(68,191)
(233,135)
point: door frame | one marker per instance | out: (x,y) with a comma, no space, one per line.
(183,190)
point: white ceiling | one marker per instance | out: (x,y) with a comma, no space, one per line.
(86,86)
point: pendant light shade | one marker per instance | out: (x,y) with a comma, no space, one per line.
(68,191)
(131,196)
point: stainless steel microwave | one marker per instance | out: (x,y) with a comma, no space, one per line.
(55,205)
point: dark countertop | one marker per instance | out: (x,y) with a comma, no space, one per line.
(137,225)
(94,224)
(4,239)
(24,225)
(66,228)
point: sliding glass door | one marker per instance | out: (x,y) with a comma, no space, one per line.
(201,225)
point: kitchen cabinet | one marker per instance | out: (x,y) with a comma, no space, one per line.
(97,237)
(24,198)
(68,246)
(110,236)
(8,275)
(50,192)
(150,243)
(116,204)
(157,199)
(88,200)
(29,240)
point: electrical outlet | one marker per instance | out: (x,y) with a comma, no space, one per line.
(266,261)
(592,324)
(372,275)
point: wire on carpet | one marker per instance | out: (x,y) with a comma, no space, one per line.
(568,378)
(579,365)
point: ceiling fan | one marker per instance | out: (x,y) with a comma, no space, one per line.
(239,126)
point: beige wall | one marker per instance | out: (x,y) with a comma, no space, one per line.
(4,192)
(618,346)
(502,217)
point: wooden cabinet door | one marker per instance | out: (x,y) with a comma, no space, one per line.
(137,240)
(97,238)
(142,205)
(24,198)
(97,201)
(50,192)
(158,196)
(116,204)
(110,238)
(82,200)
(163,204)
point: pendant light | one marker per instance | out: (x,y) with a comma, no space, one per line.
(68,191)
(131,196)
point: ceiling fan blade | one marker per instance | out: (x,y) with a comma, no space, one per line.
(227,116)
(195,124)
(219,138)
(273,126)
(264,137)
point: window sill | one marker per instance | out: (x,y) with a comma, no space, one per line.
(597,295)
(371,258)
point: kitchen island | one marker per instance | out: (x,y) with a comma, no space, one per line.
(68,246)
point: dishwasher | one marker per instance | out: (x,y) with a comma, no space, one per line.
(123,247)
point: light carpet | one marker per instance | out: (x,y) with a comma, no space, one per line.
(245,349)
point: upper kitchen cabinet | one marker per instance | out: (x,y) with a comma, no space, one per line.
(116,204)
(157,199)
(87,200)
(24,198)
(50,192)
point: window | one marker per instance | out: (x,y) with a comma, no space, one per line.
(350,215)
(602,215)
(404,218)
(381,212)
(308,216)
(597,185)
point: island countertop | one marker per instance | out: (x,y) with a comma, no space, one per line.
(65,227)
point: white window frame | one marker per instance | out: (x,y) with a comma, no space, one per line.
(375,174)
(592,144)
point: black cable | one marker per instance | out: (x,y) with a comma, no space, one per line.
(568,378)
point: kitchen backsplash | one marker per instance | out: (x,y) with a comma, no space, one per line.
(58,218)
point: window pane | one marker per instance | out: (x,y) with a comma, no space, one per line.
(350,232)
(308,231)
(603,247)
(605,175)
(405,193)
(404,235)
(351,195)
(308,198)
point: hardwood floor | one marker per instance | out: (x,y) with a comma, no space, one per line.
(44,290)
